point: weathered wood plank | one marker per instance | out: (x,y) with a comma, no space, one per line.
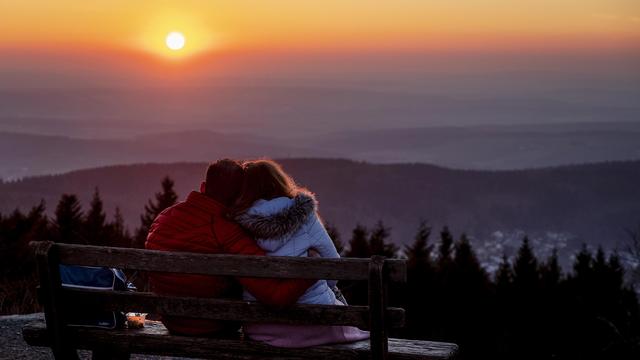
(219,309)
(154,339)
(226,265)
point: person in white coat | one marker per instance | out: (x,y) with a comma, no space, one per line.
(284,220)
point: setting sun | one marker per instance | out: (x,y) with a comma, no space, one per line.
(176,36)
(175,40)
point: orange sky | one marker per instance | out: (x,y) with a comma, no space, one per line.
(240,25)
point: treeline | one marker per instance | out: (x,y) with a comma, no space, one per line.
(529,309)
(70,224)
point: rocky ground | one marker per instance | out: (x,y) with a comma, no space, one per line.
(11,343)
(13,346)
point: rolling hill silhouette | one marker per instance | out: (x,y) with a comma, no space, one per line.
(593,203)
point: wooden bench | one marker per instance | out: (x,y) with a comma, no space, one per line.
(155,339)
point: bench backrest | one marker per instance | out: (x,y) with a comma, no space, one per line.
(376,317)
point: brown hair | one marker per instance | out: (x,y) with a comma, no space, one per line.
(223,181)
(264,179)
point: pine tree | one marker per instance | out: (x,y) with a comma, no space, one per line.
(163,199)
(118,222)
(358,245)
(419,253)
(550,272)
(445,249)
(504,306)
(378,241)
(583,266)
(69,220)
(550,304)
(38,223)
(603,309)
(616,271)
(525,268)
(118,233)
(356,291)
(600,261)
(465,259)
(16,231)
(467,280)
(417,294)
(504,275)
(95,232)
(18,278)
(334,234)
(466,272)
(526,311)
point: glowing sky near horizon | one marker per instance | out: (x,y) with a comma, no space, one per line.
(334,24)
(570,51)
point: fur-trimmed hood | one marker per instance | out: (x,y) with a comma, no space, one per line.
(278,218)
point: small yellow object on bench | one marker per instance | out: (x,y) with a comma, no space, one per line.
(136,320)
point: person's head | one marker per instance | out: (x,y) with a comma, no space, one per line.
(264,179)
(223,181)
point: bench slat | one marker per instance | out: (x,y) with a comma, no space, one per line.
(155,340)
(219,309)
(226,265)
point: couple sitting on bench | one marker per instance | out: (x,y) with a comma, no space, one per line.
(251,208)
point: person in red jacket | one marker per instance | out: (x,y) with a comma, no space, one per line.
(199,224)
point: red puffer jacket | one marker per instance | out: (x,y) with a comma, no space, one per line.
(198,225)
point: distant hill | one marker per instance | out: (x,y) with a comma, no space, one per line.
(28,154)
(591,203)
(489,146)
(471,147)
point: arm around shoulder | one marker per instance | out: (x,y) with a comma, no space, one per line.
(274,292)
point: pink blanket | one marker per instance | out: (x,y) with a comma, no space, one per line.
(299,336)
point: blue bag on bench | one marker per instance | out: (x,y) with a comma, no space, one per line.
(95,278)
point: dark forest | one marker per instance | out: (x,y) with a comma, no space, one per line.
(529,309)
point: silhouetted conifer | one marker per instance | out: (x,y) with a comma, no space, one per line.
(603,312)
(118,222)
(69,224)
(95,232)
(163,199)
(465,260)
(334,234)
(551,305)
(550,272)
(16,231)
(615,272)
(445,248)
(356,291)
(378,241)
(417,294)
(504,276)
(118,233)
(467,280)
(419,252)
(525,268)
(359,245)
(526,312)
(583,266)
(17,261)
